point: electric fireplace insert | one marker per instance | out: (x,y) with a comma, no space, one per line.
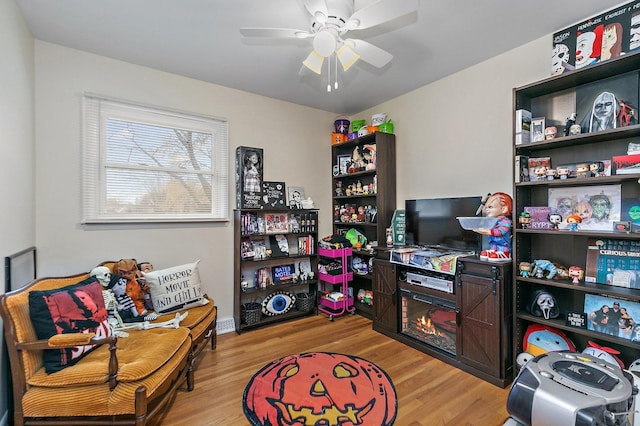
(429,319)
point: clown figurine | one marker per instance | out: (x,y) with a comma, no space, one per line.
(498,205)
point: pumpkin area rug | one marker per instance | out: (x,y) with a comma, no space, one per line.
(320,389)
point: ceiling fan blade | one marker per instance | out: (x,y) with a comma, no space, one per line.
(379,12)
(275,33)
(316,6)
(370,53)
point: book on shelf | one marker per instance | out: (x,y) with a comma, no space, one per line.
(279,245)
(613,262)
(263,277)
(274,195)
(306,245)
(283,274)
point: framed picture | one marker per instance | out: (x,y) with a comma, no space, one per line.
(537,129)
(295,195)
(598,206)
(613,316)
(343,163)
(607,104)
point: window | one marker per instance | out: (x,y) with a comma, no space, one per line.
(144,164)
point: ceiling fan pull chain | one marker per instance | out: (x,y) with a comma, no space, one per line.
(335,61)
(329,75)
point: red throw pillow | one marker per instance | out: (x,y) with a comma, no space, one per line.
(78,308)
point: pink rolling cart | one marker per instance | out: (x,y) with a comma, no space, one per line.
(335,283)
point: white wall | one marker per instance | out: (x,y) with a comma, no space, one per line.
(296,142)
(454,136)
(16,147)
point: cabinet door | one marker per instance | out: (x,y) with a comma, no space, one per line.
(385,312)
(480,324)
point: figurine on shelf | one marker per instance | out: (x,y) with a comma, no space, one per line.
(540,173)
(339,192)
(576,273)
(542,266)
(562,172)
(550,132)
(574,221)
(571,120)
(498,205)
(551,174)
(369,154)
(597,168)
(582,170)
(525,269)
(555,220)
(524,220)
(625,114)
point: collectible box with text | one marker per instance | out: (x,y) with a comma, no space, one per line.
(613,262)
(249,177)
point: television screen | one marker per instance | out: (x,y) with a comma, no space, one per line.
(432,221)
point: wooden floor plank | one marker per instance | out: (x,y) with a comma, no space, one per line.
(430,392)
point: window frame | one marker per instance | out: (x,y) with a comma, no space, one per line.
(97,109)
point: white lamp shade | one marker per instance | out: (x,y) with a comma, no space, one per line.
(325,43)
(314,62)
(347,56)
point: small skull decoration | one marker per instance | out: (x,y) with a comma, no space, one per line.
(103,275)
(544,305)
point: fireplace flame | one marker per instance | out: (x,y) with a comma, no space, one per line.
(426,326)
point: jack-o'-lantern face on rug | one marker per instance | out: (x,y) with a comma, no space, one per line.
(320,389)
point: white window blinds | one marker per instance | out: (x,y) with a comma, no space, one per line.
(145,164)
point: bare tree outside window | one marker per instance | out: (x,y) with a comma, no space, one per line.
(154,165)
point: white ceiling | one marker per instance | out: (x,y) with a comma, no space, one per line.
(201,39)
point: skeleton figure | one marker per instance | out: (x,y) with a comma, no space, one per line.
(102,274)
(544,305)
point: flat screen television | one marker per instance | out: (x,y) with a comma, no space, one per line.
(432,222)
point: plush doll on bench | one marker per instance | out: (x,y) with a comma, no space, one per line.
(126,306)
(128,268)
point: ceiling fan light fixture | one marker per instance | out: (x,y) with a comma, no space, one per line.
(347,56)
(325,43)
(314,62)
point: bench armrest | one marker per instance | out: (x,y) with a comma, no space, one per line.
(71,340)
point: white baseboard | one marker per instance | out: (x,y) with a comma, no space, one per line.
(226,325)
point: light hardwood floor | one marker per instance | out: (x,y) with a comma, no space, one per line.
(430,392)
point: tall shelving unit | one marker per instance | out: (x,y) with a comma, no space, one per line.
(555,99)
(380,195)
(251,232)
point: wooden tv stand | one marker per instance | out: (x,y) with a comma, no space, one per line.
(482,297)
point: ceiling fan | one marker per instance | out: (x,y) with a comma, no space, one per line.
(330,22)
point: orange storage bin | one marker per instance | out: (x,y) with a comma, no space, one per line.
(338,138)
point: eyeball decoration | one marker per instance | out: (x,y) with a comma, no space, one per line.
(278,303)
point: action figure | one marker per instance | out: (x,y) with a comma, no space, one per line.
(571,120)
(498,205)
(625,114)
(555,219)
(574,222)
